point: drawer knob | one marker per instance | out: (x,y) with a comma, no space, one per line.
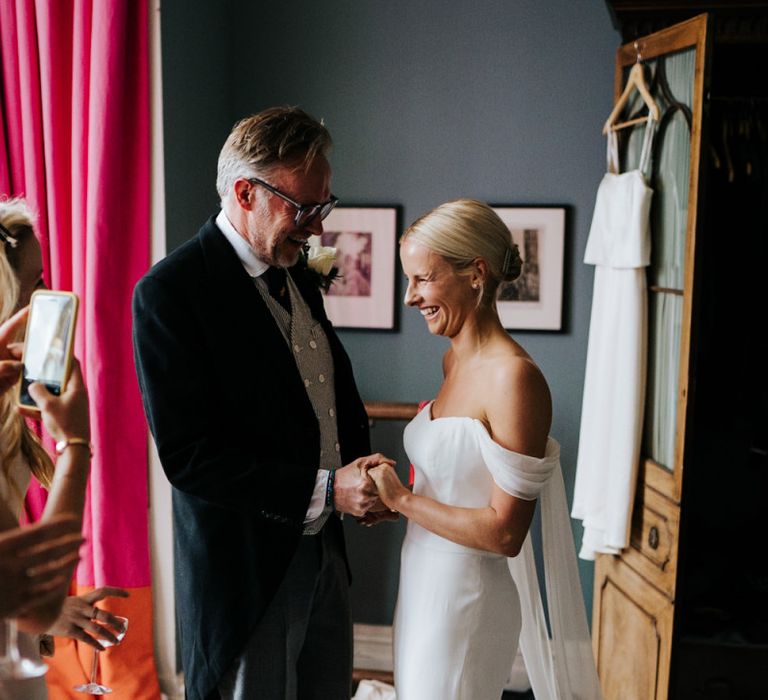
(653,537)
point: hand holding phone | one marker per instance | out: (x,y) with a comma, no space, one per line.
(65,416)
(10,365)
(47,354)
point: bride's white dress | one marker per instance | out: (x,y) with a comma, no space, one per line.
(460,610)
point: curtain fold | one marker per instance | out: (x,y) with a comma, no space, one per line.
(75,140)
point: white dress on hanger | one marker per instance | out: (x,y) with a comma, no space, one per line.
(461,611)
(619,245)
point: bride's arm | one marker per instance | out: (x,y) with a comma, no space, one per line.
(518,412)
(501,527)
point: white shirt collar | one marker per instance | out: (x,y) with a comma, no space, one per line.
(253,265)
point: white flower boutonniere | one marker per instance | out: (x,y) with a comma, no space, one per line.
(320,261)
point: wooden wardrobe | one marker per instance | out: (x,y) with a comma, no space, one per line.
(682,613)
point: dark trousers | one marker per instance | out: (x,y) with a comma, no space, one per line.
(302,648)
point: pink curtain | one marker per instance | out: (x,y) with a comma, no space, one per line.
(75,141)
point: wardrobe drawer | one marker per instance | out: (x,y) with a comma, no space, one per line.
(653,540)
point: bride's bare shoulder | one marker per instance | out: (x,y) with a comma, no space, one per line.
(517,377)
(518,403)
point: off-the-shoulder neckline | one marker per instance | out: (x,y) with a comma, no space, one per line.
(432,419)
(484,432)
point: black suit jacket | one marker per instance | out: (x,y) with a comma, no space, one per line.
(237,438)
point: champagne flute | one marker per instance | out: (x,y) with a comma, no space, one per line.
(14,666)
(93,687)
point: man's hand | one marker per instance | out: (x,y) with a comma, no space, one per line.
(353,491)
(81,619)
(36,563)
(379,513)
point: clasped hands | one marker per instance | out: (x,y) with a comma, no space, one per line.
(369,489)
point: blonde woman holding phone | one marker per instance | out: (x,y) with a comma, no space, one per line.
(66,419)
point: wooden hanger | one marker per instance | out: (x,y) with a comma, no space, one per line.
(635,81)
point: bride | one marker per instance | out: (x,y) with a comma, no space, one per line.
(482,457)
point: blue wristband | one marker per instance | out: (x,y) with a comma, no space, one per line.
(329,489)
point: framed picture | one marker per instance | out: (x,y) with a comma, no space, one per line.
(535,299)
(363,295)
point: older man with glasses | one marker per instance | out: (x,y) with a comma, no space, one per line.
(259,426)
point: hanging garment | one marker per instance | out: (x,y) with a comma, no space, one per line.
(619,245)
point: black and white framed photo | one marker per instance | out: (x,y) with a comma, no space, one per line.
(363,293)
(534,300)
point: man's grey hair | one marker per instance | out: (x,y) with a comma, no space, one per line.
(274,137)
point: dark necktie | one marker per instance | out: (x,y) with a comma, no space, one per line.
(278,288)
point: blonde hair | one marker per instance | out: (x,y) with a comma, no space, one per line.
(462,231)
(15,436)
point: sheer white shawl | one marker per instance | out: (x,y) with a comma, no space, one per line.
(560,666)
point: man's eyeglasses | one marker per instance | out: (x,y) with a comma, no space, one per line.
(305,213)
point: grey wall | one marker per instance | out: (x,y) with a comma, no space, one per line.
(427,101)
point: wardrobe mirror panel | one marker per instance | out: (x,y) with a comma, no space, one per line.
(671,83)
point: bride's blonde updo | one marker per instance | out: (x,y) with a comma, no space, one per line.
(464,230)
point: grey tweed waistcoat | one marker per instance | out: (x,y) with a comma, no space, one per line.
(314,361)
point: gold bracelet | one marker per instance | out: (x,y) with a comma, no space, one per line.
(62,445)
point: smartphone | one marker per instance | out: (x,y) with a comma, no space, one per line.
(47,353)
